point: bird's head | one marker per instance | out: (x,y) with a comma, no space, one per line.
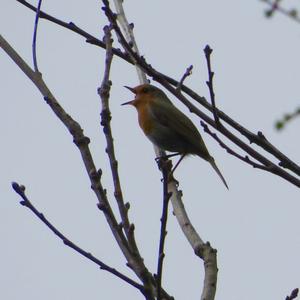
(145,93)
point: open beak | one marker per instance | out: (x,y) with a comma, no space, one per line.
(127,103)
(133,91)
(130,89)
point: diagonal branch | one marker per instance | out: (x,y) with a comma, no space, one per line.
(20,190)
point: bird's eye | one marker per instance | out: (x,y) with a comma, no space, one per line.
(145,90)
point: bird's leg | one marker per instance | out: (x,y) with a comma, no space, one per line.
(172,155)
(167,156)
(163,159)
(179,161)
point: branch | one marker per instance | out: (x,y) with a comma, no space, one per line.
(20,190)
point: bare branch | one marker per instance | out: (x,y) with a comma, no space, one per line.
(20,190)
(187,73)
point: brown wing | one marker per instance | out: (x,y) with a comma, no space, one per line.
(168,115)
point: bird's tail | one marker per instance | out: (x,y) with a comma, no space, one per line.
(213,164)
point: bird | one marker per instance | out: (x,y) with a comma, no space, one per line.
(167,127)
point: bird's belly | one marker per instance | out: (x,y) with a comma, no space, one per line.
(167,140)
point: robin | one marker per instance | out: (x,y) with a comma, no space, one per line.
(167,127)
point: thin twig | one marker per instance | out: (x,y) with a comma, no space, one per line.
(37,16)
(208,51)
(187,73)
(284,161)
(166,168)
(20,190)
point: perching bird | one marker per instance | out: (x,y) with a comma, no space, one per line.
(166,126)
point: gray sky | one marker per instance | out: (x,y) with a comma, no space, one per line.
(254,226)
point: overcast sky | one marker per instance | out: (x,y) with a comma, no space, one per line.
(254,226)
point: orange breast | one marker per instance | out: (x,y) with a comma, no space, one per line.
(145,120)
